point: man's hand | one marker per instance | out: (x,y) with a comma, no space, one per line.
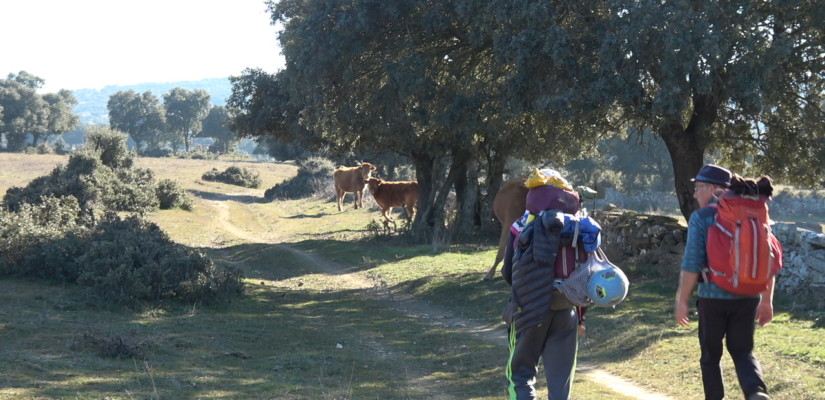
(680,313)
(687,281)
(764,312)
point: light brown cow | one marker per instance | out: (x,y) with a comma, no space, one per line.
(508,206)
(351,180)
(394,194)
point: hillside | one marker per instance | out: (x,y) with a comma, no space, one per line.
(92,102)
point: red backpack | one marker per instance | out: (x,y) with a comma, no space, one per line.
(743,254)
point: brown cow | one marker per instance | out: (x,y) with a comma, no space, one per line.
(394,194)
(351,180)
(508,206)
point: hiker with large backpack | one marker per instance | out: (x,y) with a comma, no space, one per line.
(551,245)
(733,257)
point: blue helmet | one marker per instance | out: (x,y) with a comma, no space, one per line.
(608,286)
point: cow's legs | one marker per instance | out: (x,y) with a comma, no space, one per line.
(502,246)
(340,194)
(388,219)
(358,198)
(410,213)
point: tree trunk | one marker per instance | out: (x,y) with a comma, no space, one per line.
(496,162)
(687,156)
(424,166)
(35,138)
(16,142)
(687,145)
(458,164)
(433,189)
(466,192)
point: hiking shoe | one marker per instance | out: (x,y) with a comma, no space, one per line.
(759,396)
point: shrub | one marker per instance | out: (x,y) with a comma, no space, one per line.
(234,176)
(156,152)
(44,148)
(94,184)
(172,195)
(110,147)
(132,262)
(198,153)
(42,240)
(110,345)
(54,260)
(129,262)
(61,147)
(314,175)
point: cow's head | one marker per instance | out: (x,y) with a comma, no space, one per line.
(372,183)
(366,170)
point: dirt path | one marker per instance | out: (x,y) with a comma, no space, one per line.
(424,311)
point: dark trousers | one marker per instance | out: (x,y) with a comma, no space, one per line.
(555,341)
(732,320)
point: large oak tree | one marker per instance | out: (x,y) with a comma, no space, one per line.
(185,110)
(140,115)
(24,112)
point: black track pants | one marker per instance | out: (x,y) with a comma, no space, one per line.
(555,341)
(733,321)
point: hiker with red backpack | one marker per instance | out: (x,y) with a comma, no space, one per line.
(733,256)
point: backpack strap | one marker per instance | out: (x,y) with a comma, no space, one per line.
(576,233)
(706,269)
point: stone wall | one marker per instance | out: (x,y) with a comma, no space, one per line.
(783,206)
(803,274)
(631,237)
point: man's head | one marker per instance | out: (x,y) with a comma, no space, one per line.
(714,175)
(709,183)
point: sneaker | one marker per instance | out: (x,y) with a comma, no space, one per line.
(759,396)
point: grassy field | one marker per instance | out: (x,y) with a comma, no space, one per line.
(332,311)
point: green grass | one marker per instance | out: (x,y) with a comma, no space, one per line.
(308,329)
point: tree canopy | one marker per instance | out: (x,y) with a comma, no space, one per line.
(740,82)
(460,86)
(420,79)
(215,126)
(185,109)
(24,112)
(141,116)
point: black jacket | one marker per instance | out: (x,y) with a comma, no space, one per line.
(532,273)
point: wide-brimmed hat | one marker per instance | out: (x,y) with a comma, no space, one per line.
(713,174)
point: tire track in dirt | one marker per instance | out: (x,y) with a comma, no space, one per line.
(427,313)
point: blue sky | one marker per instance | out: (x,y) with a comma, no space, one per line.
(88,44)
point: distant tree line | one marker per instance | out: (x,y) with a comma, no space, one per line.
(28,119)
(171,125)
(92,107)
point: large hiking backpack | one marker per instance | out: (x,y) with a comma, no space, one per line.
(743,253)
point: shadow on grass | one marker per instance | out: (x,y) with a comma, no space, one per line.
(216,196)
(276,261)
(795,305)
(313,216)
(269,344)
